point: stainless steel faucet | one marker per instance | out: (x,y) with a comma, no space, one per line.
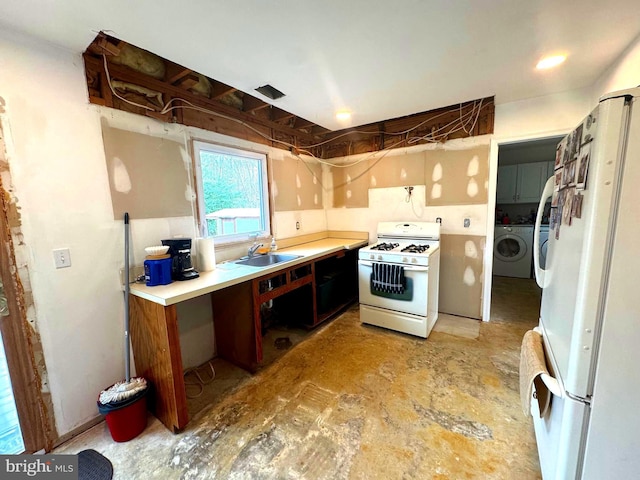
(253,248)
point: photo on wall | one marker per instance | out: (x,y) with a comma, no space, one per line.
(569,151)
(553,218)
(557,182)
(576,138)
(559,155)
(583,166)
(561,195)
(566,207)
(569,174)
(576,206)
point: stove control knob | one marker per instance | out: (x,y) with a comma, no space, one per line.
(380,257)
(414,260)
(405,259)
(372,256)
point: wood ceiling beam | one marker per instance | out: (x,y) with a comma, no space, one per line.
(128,75)
(179,76)
(278,115)
(302,123)
(219,89)
(251,104)
(189,81)
(104,46)
(318,130)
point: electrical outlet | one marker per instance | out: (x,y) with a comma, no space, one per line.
(467,222)
(297,225)
(439,220)
(134,272)
(62,257)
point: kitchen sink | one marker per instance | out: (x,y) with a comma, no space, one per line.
(266,260)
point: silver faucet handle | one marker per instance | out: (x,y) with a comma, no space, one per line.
(253,248)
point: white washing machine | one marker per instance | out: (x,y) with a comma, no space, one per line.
(544,240)
(513,251)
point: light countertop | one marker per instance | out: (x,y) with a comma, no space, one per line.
(229,273)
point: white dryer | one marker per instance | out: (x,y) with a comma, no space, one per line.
(544,241)
(513,251)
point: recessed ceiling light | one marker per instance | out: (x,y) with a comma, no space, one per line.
(343,115)
(551,61)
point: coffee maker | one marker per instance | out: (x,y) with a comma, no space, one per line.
(180,251)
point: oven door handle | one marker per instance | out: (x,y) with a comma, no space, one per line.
(407,268)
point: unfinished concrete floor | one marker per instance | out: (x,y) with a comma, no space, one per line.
(360,402)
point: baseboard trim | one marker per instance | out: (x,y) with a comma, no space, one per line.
(77,431)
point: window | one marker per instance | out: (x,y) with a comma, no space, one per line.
(233,198)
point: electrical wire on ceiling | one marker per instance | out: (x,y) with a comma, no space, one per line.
(106,69)
(434,136)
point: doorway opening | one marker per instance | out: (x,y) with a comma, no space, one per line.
(11,442)
(523,169)
(21,396)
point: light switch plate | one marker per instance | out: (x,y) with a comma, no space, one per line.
(62,257)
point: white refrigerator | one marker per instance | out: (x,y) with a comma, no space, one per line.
(590,312)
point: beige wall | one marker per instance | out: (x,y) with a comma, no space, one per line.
(148,176)
(624,73)
(296,184)
(457,177)
(451,177)
(450,182)
(461,273)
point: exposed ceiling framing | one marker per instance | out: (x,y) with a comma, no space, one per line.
(178,94)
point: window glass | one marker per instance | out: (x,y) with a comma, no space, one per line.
(232,192)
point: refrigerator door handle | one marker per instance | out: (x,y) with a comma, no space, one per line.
(541,274)
(552,383)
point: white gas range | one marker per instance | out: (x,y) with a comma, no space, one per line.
(398,277)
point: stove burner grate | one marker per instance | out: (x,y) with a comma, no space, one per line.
(385,246)
(415,248)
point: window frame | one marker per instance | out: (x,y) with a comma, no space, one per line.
(208,146)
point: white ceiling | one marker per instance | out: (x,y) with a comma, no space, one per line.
(379,59)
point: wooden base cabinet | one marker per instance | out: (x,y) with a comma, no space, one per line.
(316,290)
(156,351)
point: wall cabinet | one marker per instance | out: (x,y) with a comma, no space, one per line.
(506,187)
(521,183)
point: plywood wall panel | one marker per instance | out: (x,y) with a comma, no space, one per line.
(457,177)
(148,176)
(282,184)
(351,185)
(296,185)
(398,171)
(461,274)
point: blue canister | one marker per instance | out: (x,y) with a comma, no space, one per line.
(157,272)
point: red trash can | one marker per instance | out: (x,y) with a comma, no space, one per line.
(126,419)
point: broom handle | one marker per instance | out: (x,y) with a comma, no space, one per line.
(127,368)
